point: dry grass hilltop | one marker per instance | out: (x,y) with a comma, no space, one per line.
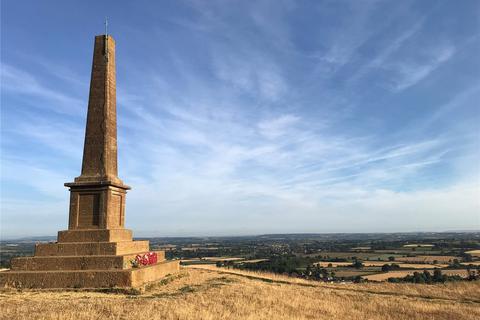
(212,293)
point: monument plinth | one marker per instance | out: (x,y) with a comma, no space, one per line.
(96,251)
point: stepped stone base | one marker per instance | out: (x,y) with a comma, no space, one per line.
(134,277)
(91,248)
(51,263)
(95,235)
(89,258)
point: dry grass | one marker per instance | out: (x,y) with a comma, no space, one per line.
(220,294)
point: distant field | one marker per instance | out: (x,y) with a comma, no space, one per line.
(344,254)
(459,272)
(350,255)
(406,251)
(196,261)
(404,273)
(252,261)
(384,255)
(195,248)
(422,265)
(333,263)
(419,245)
(215,259)
(211,259)
(342,273)
(475,253)
(381,263)
(427,259)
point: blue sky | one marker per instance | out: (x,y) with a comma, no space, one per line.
(248,117)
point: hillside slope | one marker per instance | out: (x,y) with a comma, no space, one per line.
(220,294)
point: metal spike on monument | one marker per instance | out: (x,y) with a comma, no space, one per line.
(106,27)
(96,251)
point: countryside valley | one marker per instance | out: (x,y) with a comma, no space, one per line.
(288,276)
(409,257)
(397,257)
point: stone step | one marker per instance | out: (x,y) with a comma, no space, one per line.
(88,278)
(95,235)
(50,263)
(91,248)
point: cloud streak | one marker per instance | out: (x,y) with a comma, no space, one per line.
(412,73)
(22,83)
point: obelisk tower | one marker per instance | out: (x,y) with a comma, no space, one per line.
(96,251)
(98,196)
(100,149)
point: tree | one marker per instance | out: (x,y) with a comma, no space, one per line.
(308,271)
(467,257)
(316,274)
(456,263)
(472,275)
(357,264)
(437,275)
(391,258)
(418,278)
(427,276)
(324,273)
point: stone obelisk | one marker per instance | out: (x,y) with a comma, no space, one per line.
(96,251)
(97,200)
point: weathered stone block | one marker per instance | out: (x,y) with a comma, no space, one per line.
(45,263)
(96,206)
(91,248)
(102,235)
(88,278)
(144,275)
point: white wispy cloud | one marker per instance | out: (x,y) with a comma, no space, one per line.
(448,109)
(250,73)
(274,128)
(21,82)
(386,52)
(352,33)
(413,72)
